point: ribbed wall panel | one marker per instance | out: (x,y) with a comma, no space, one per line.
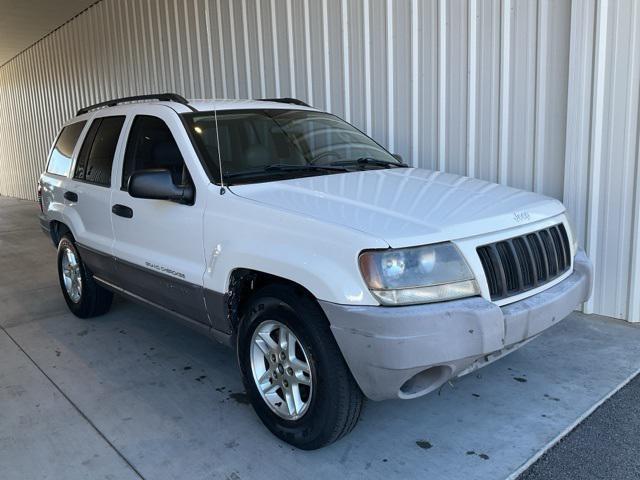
(602,175)
(542,95)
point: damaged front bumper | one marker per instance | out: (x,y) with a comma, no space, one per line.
(405,352)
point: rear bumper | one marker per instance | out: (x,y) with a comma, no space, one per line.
(387,347)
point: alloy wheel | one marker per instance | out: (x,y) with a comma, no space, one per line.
(281,370)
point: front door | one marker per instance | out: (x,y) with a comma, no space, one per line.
(159,243)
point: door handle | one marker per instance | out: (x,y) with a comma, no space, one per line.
(71,196)
(122,211)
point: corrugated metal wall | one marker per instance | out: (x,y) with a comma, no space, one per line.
(602,175)
(497,89)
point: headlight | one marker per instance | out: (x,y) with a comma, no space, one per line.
(425,274)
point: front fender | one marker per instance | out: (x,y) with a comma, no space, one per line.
(321,257)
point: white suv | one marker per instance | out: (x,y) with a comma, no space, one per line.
(336,271)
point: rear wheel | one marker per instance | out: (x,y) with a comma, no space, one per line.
(293,371)
(84,297)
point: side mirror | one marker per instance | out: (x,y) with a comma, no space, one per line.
(397,156)
(158,184)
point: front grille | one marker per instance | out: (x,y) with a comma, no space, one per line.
(518,264)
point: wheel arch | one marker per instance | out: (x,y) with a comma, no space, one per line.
(57,230)
(243,282)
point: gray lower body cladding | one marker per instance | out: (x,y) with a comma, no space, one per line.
(386,348)
(190,302)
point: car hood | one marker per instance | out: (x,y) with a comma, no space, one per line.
(408,206)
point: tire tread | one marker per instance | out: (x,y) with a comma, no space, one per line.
(96,300)
(349,398)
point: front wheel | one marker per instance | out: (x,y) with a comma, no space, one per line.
(293,371)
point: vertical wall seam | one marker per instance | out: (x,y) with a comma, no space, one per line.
(539,133)
(196,15)
(105,51)
(597,145)
(415,83)
(178,49)
(140,80)
(442,85)
(212,75)
(116,52)
(187,38)
(223,67)
(307,52)
(505,94)
(247,54)
(263,87)
(274,37)
(146,60)
(234,50)
(168,48)
(366,31)
(472,82)
(292,59)
(327,68)
(152,41)
(390,79)
(187,41)
(345,61)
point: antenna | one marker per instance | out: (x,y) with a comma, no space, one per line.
(215,116)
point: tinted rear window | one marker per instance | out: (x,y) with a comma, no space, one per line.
(96,156)
(60,159)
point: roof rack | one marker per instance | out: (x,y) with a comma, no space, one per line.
(165,97)
(293,101)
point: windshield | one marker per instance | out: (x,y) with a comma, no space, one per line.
(264,145)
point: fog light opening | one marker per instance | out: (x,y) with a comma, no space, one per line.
(425,381)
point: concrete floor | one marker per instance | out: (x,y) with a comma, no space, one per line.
(603,447)
(133,394)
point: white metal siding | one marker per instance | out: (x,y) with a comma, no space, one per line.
(542,95)
(601,175)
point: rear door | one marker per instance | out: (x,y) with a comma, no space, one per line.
(88,195)
(55,179)
(159,243)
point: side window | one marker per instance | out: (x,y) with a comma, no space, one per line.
(60,159)
(96,155)
(151,145)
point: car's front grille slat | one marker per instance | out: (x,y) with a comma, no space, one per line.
(550,250)
(563,255)
(518,264)
(524,261)
(502,279)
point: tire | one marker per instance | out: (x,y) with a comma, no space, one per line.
(89,299)
(332,402)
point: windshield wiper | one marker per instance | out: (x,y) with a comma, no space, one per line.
(369,161)
(283,167)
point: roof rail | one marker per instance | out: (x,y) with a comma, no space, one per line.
(165,97)
(293,101)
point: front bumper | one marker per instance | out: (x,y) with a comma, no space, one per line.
(405,352)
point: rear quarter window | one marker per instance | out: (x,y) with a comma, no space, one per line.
(60,159)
